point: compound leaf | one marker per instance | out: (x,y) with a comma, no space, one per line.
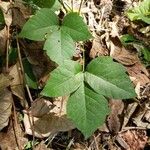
(109,78)
(64,80)
(74,25)
(44,22)
(87,109)
(59,46)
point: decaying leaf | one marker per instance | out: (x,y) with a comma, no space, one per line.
(122,55)
(17,86)
(114,120)
(4,82)
(8,139)
(50,118)
(97,48)
(135,139)
(5,107)
(3,41)
(16,74)
(139,72)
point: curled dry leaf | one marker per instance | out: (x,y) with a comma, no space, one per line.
(48,118)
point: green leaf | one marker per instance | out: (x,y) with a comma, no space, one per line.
(56,6)
(87,109)
(30,78)
(74,25)
(44,22)
(146,53)
(64,80)
(141,12)
(13,55)
(109,78)
(59,46)
(44,3)
(127,38)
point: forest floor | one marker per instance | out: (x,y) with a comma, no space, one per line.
(128,125)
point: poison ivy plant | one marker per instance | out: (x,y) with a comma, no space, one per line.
(59,38)
(89,88)
(140,12)
(87,105)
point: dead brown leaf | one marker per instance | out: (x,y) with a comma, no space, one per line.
(140,74)
(3,41)
(8,137)
(114,120)
(135,139)
(122,55)
(6,100)
(50,118)
(17,86)
(97,48)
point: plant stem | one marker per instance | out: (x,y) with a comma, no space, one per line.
(22,69)
(7,49)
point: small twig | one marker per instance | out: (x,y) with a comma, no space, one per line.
(70,144)
(7,49)
(94,141)
(96,145)
(50,139)
(28,91)
(22,69)
(62,3)
(32,128)
(16,128)
(80,6)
